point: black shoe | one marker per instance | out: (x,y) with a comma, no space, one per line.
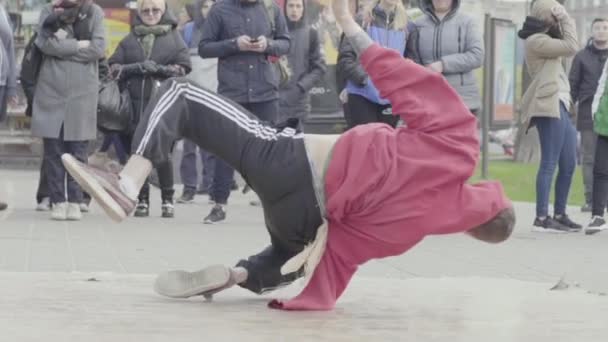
(167,209)
(596,225)
(142,209)
(202,190)
(187,196)
(549,225)
(217,214)
(566,221)
(586,208)
(3,206)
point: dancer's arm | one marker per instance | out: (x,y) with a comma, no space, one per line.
(423,98)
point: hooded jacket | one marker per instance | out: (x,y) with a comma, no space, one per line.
(307,66)
(585,72)
(544,61)
(168,49)
(416,186)
(456,41)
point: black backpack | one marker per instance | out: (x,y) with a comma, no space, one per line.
(30,67)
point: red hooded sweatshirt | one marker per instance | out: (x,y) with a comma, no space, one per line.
(386,189)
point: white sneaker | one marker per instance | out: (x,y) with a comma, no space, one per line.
(73,212)
(84,207)
(59,211)
(44,205)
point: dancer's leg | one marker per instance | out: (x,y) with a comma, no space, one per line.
(180,109)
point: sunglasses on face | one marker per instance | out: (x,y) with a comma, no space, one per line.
(151,11)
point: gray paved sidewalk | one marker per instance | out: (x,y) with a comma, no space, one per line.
(447,287)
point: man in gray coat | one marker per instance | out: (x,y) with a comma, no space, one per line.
(448,41)
(72,40)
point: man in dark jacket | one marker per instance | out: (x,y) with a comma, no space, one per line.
(245,35)
(305,61)
(584,75)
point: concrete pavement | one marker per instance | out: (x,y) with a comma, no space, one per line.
(92,279)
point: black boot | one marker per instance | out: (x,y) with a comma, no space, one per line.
(168,209)
(143,204)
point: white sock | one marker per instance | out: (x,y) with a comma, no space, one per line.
(128,187)
(240,274)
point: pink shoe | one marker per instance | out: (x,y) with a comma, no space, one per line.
(102,185)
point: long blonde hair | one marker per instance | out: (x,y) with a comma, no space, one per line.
(399,20)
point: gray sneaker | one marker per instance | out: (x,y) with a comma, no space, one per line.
(596,225)
(187,196)
(549,225)
(216,215)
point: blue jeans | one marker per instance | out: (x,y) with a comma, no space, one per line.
(558,150)
(187,168)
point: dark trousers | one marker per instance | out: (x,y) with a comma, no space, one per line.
(558,150)
(265,270)
(224,174)
(188,170)
(43,183)
(361,111)
(600,176)
(273,161)
(58,179)
(588,141)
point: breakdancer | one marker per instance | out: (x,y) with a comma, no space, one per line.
(331,202)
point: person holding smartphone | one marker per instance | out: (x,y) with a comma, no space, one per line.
(245,36)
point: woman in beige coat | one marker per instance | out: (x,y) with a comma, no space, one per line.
(550,34)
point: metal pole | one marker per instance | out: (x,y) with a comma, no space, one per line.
(487,95)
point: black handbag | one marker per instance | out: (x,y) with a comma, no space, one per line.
(114,107)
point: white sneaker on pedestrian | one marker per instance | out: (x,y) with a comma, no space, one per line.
(44,205)
(84,208)
(73,212)
(59,211)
